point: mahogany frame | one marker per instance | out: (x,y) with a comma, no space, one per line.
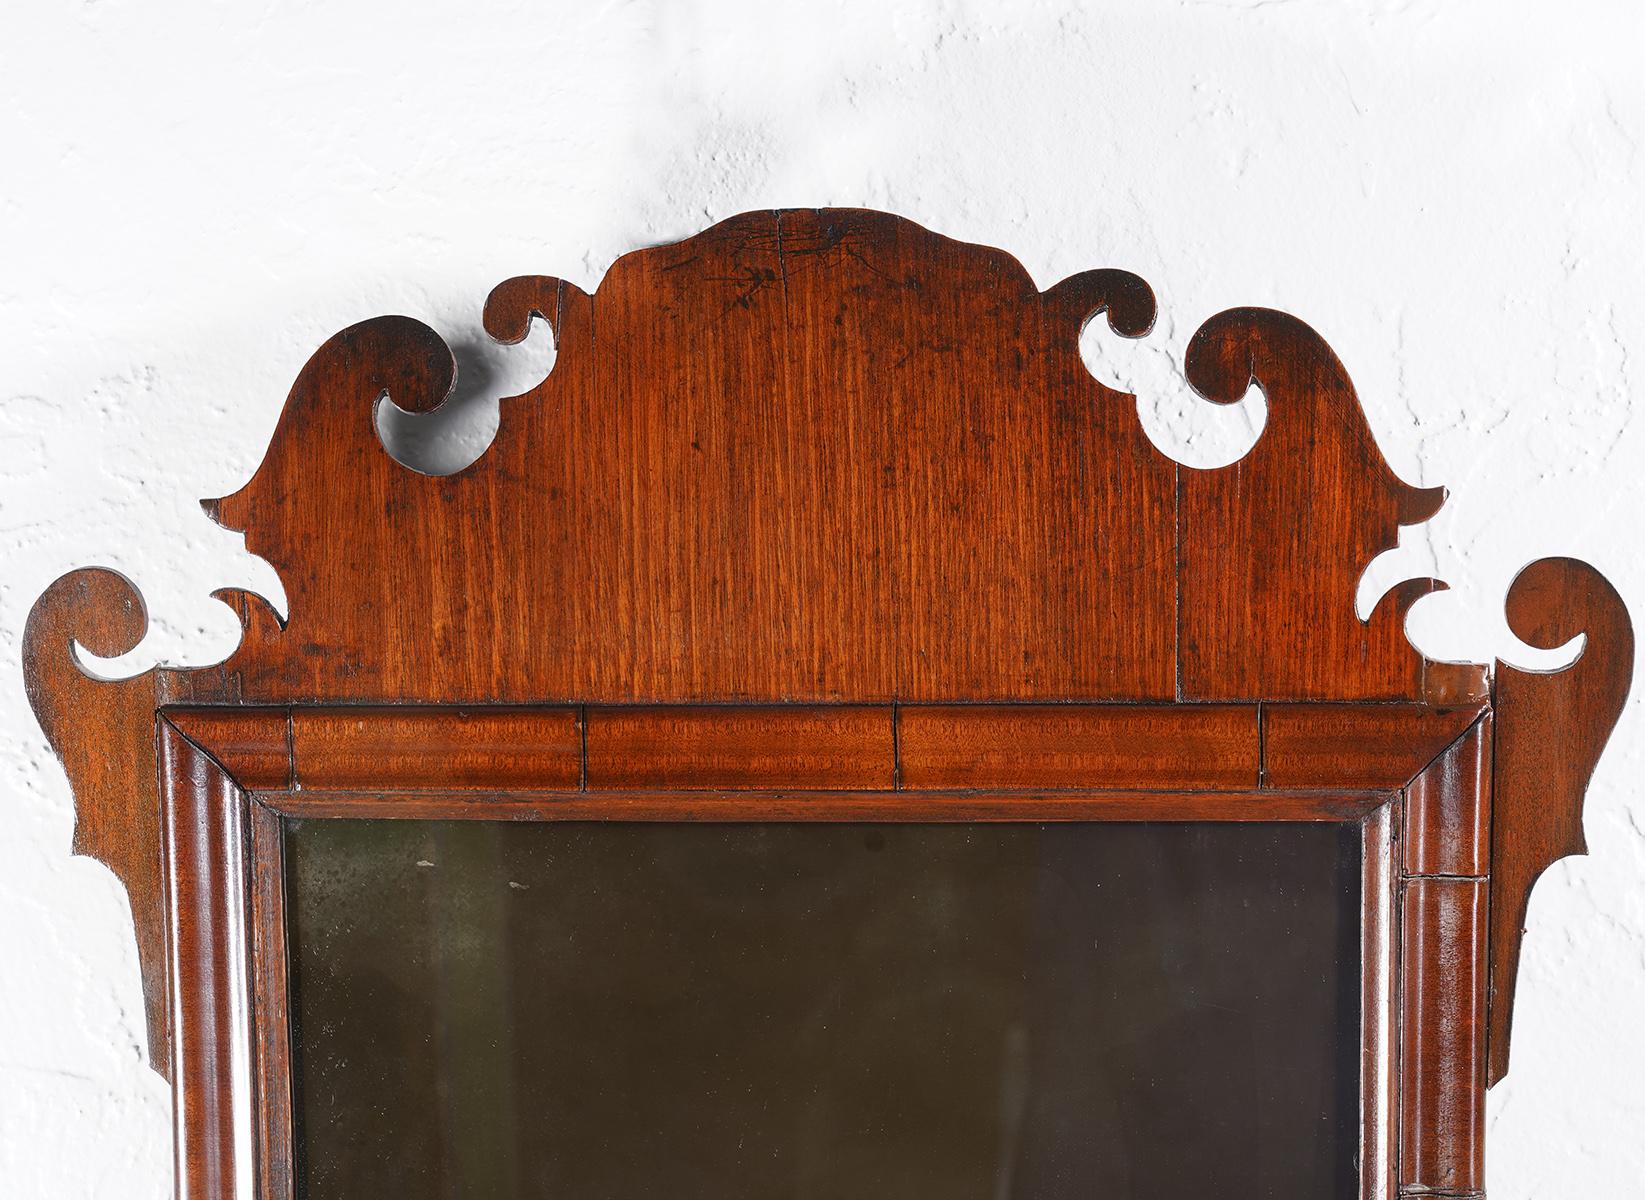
(821,515)
(230,775)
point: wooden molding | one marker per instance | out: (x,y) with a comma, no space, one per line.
(866,748)
(420,748)
(1356,745)
(1443,896)
(1448,809)
(1442,1042)
(947,806)
(1074,745)
(209,971)
(270,1003)
(828,748)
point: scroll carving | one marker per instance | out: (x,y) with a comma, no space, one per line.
(765,464)
(103,730)
(1551,728)
(1273,547)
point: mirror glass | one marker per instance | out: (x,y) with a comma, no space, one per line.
(611,1011)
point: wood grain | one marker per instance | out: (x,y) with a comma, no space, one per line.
(1550,731)
(443,748)
(849,484)
(104,733)
(270,1005)
(1448,809)
(1084,745)
(1356,745)
(208,911)
(1442,1123)
(831,748)
(802,456)
(1380,1077)
(251,744)
(1272,549)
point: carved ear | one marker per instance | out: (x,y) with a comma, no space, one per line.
(331,409)
(112,774)
(95,607)
(1551,728)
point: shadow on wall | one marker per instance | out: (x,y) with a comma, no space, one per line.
(454,435)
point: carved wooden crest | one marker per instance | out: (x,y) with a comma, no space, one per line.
(819,457)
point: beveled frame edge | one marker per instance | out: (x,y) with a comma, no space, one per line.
(1422,1097)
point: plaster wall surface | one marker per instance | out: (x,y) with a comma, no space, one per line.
(193,196)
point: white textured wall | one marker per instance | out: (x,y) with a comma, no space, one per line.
(193,196)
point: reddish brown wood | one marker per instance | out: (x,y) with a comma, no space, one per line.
(1550,731)
(1442,1145)
(104,733)
(209,949)
(756,482)
(1448,809)
(1419,1080)
(253,745)
(1083,745)
(416,748)
(1272,550)
(852,747)
(838,747)
(271,1023)
(1379,1015)
(1355,745)
(1444,966)
(1376,811)
(1456,685)
(802,456)
(824,458)
(743,480)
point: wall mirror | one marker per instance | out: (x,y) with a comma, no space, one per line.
(823,749)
